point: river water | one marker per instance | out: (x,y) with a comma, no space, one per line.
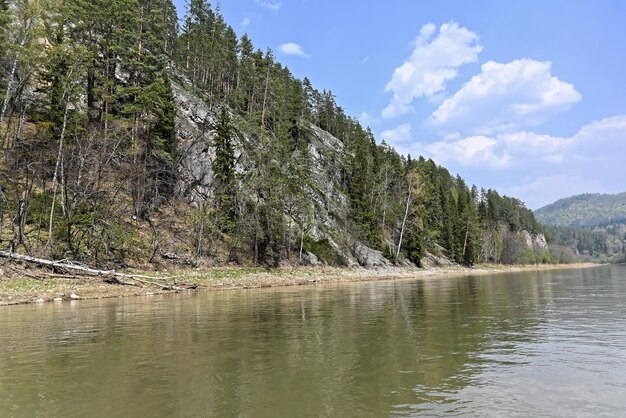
(547,343)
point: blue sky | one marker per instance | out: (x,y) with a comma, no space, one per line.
(525,97)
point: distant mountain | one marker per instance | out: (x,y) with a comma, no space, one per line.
(585,211)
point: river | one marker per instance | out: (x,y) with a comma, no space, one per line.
(549,343)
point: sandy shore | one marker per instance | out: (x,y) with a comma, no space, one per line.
(28,288)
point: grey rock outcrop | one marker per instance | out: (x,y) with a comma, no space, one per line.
(540,241)
(367,257)
(432,260)
(328,205)
(310,259)
(196,127)
(535,241)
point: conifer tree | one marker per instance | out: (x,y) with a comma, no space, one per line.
(361,189)
(98,138)
(224,184)
(5,18)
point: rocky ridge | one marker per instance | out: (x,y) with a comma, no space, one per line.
(196,124)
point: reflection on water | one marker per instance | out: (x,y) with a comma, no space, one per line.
(549,343)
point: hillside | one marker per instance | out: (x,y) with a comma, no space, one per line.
(593,225)
(585,210)
(128,140)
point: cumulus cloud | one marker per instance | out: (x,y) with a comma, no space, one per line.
(270,5)
(537,167)
(475,150)
(291,48)
(398,135)
(367,119)
(505,97)
(543,190)
(434,61)
(517,148)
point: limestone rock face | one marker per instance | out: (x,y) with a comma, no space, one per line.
(432,260)
(535,242)
(196,127)
(540,241)
(196,124)
(368,257)
(310,259)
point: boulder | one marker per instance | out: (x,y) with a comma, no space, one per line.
(310,259)
(368,257)
(432,260)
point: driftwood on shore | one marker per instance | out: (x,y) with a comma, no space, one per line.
(110,276)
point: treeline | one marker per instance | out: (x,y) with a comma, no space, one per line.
(87,128)
(90,159)
(604,243)
(585,211)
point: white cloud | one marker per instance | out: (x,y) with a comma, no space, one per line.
(434,61)
(397,135)
(367,119)
(366,59)
(532,143)
(475,150)
(291,48)
(524,148)
(536,167)
(543,190)
(609,132)
(270,4)
(505,97)
(246,22)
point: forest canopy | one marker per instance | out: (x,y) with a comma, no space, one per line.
(92,152)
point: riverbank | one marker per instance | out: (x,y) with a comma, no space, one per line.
(34,286)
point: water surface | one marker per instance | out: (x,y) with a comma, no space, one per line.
(525,344)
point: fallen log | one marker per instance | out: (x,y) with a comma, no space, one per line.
(116,280)
(64,265)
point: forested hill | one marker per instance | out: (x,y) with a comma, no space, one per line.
(585,210)
(128,138)
(593,225)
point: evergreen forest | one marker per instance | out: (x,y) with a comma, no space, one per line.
(131,137)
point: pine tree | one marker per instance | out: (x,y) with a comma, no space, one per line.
(163,140)
(5,19)
(224,183)
(361,190)
(102,134)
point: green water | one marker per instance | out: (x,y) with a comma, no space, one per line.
(530,344)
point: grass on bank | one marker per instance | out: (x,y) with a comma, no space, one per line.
(23,287)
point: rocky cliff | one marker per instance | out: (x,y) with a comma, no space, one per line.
(325,220)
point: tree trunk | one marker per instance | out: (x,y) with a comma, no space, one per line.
(385,201)
(406,214)
(267,84)
(465,241)
(7,97)
(3,202)
(301,243)
(85,270)
(56,171)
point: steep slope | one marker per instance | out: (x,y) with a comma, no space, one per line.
(593,226)
(320,218)
(585,210)
(143,142)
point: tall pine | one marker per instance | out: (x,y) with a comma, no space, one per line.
(224,181)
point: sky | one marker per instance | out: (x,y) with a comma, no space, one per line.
(528,98)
